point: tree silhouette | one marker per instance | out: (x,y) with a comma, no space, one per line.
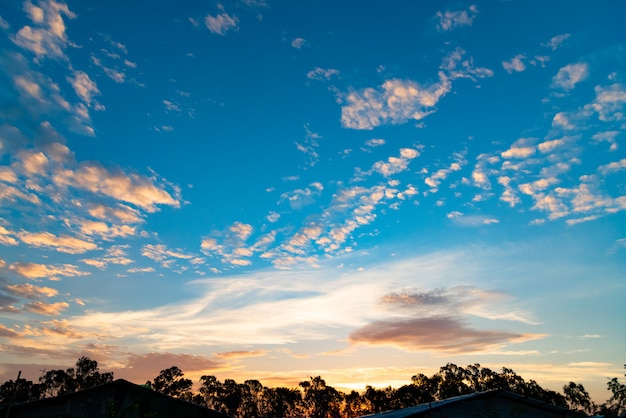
(314,398)
(171,382)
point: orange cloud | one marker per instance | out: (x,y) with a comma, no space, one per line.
(38,271)
(49,309)
(64,244)
(28,291)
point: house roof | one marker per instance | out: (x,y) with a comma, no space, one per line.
(413,410)
(123,391)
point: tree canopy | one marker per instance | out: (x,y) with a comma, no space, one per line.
(313,398)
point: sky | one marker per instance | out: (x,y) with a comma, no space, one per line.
(269,189)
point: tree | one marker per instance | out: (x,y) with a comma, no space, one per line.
(320,401)
(281,402)
(85,375)
(578,399)
(616,405)
(171,382)
(19,391)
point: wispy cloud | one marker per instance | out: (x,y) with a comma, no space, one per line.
(557,41)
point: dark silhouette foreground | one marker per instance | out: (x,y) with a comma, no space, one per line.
(313,398)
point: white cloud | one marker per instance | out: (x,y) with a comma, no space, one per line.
(395,165)
(222,22)
(556,41)
(375,142)
(518,152)
(570,75)
(298,43)
(516,64)
(609,102)
(397,101)
(449,20)
(84,87)
(322,74)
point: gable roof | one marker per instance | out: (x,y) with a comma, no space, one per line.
(414,411)
(119,397)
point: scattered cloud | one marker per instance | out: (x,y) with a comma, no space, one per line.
(298,43)
(556,42)
(222,23)
(449,20)
(398,101)
(322,74)
(65,244)
(46,38)
(570,75)
(29,291)
(39,271)
(48,309)
(515,64)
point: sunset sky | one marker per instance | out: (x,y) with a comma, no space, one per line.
(271,189)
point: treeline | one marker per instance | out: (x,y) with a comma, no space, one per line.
(314,398)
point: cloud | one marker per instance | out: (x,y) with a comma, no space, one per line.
(396,102)
(48,309)
(140,367)
(47,38)
(65,244)
(6,238)
(107,232)
(322,74)
(613,167)
(555,42)
(609,102)
(141,270)
(84,87)
(449,20)
(298,43)
(457,66)
(222,22)
(135,189)
(570,75)
(435,179)
(516,64)
(462,220)
(375,142)
(28,291)
(163,255)
(303,197)
(241,354)
(6,332)
(395,165)
(443,335)
(38,271)
(518,152)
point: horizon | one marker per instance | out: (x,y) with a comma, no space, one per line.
(258,189)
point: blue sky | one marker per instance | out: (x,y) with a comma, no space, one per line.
(271,189)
